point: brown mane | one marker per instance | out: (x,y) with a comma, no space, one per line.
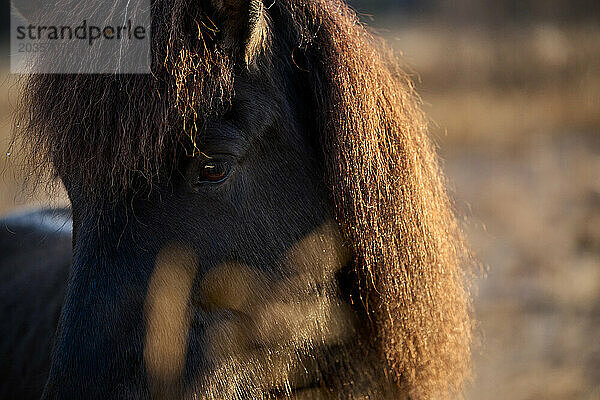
(385,181)
(390,197)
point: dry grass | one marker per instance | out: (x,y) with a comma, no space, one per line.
(496,87)
(535,218)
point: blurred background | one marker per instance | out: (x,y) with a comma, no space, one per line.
(513,91)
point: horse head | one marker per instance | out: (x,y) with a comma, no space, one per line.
(262,216)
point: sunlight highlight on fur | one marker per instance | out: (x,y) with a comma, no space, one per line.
(167,319)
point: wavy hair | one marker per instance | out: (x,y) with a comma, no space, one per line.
(390,198)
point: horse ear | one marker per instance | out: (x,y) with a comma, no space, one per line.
(246,26)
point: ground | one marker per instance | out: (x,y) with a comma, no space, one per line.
(535,224)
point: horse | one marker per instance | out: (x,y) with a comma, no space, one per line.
(263,216)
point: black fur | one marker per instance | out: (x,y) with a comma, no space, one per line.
(35,255)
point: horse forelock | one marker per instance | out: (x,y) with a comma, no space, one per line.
(111,130)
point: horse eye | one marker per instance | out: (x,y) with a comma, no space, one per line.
(214,171)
